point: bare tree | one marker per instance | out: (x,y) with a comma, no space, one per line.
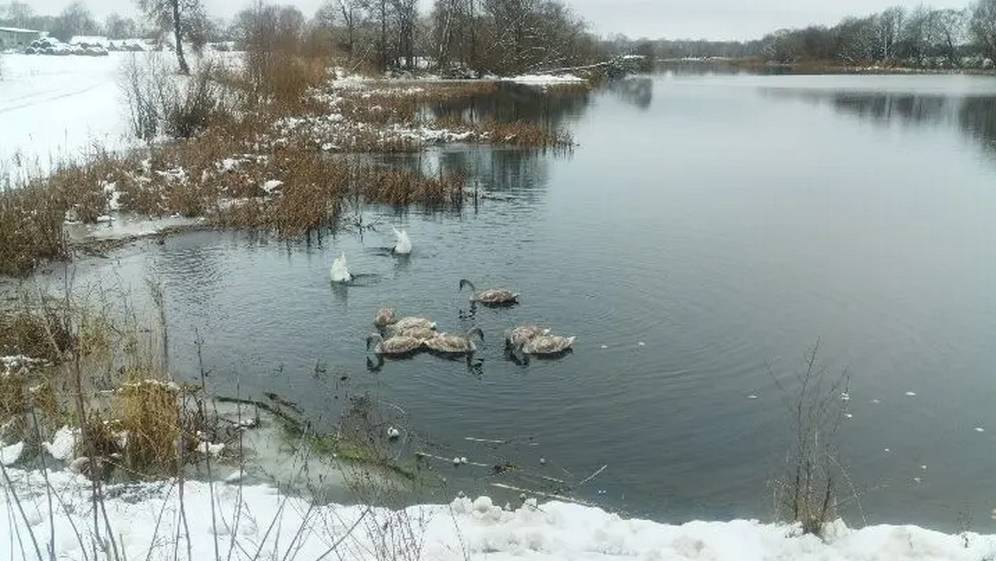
(118,27)
(405,14)
(175,16)
(75,19)
(380,10)
(19,14)
(352,18)
(890,25)
(946,31)
(982,27)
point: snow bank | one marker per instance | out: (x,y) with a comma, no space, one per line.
(57,108)
(464,529)
(546,79)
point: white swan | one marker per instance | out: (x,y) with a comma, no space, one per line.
(403,245)
(339,271)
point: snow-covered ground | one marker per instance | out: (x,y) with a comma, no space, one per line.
(546,79)
(56,108)
(145,516)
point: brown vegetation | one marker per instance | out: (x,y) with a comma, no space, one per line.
(240,133)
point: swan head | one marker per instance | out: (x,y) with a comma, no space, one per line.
(465,282)
(385,317)
(475,331)
(374,338)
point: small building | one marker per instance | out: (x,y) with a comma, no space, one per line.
(16,38)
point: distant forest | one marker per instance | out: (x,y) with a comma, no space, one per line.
(476,37)
(921,37)
(455,36)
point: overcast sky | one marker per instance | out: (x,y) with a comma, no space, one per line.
(712,19)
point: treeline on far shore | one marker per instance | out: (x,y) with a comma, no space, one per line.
(922,37)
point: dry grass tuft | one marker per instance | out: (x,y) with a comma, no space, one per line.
(13,396)
(150,412)
(30,229)
(403,188)
(37,334)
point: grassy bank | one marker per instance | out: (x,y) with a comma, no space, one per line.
(256,147)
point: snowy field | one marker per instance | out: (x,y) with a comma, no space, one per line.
(146,516)
(56,108)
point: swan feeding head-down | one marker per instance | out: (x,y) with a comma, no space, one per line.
(340,270)
(403,244)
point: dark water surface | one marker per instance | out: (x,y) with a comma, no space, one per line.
(727,222)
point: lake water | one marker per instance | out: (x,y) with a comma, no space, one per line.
(727,223)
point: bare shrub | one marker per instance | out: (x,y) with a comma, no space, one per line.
(202,102)
(144,86)
(816,400)
(159,102)
(281,65)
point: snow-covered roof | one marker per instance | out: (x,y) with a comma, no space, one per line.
(18,30)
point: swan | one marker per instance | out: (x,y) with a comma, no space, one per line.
(398,345)
(403,245)
(492,296)
(548,345)
(407,323)
(445,343)
(420,333)
(340,271)
(519,336)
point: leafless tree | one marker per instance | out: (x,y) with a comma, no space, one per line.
(890,25)
(75,19)
(351,12)
(176,16)
(982,27)
(405,14)
(19,14)
(118,27)
(352,18)
(946,32)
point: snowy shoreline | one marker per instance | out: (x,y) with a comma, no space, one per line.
(259,517)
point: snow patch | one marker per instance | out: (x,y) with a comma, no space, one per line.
(10,454)
(63,443)
(546,79)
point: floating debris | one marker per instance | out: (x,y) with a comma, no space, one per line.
(542,461)
(641,344)
(876,401)
(980,429)
(888,450)
(393,433)
(910,394)
(923,467)
(917,479)
(844,396)
(751,396)
(604,346)
(593,475)
(485,440)
(848,415)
